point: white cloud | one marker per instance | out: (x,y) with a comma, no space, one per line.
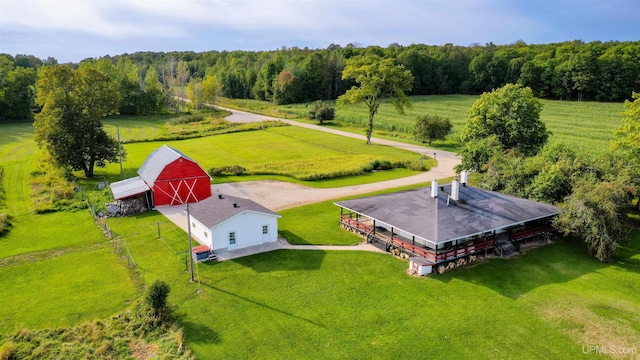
(86,17)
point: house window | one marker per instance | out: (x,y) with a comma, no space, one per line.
(232,238)
(206,234)
(265,229)
(193,224)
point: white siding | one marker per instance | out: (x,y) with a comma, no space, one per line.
(247,227)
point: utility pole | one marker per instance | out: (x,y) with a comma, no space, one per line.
(190,242)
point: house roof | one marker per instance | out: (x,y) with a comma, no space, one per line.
(442,219)
(218,209)
(157,161)
(129,187)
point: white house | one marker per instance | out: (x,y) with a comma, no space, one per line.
(224,222)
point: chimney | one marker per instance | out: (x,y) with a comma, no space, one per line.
(434,188)
(464,177)
(235,205)
(455,190)
(220,196)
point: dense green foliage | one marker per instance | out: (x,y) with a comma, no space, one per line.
(376,79)
(628,135)
(432,127)
(69,125)
(593,212)
(594,194)
(512,114)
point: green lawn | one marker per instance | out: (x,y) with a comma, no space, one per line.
(546,303)
(55,268)
(586,126)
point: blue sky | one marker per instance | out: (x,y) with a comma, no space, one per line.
(71,30)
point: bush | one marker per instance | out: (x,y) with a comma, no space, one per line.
(156,298)
(235,170)
(5,223)
(322,112)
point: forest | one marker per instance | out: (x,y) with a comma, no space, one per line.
(150,81)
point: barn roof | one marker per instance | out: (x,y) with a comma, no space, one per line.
(129,187)
(442,219)
(157,161)
(218,209)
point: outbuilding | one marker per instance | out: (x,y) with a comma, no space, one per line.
(225,223)
(169,177)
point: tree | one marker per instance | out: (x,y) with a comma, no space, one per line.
(210,89)
(17,94)
(432,127)
(69,127)
(156,297)
(477,153)
(593,213)
(377,78)
(322,112)
(628,135)
(511,113)
(153,99)
(194,92)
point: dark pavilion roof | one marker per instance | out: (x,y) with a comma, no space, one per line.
(219,208)
(477,211)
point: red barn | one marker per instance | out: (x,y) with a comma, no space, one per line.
(174,178)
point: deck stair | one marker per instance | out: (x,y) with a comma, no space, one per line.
(505,248)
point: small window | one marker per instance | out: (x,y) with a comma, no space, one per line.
(193,224)
(232,238)
(206,234)
(265,229)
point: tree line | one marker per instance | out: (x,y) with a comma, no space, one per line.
(150,81)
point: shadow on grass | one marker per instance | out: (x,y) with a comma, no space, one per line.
(268,307)
(292,238)
(552,264)
(199,333)
(283,260)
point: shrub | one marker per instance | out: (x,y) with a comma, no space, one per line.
(234,170)
(156,298)
(322,112)
(5,223)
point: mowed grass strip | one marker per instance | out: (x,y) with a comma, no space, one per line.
(336,305)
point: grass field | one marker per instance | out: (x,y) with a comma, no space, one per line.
(586,126)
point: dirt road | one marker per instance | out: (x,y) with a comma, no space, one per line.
(279,195)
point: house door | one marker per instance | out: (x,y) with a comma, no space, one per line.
(265,233)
